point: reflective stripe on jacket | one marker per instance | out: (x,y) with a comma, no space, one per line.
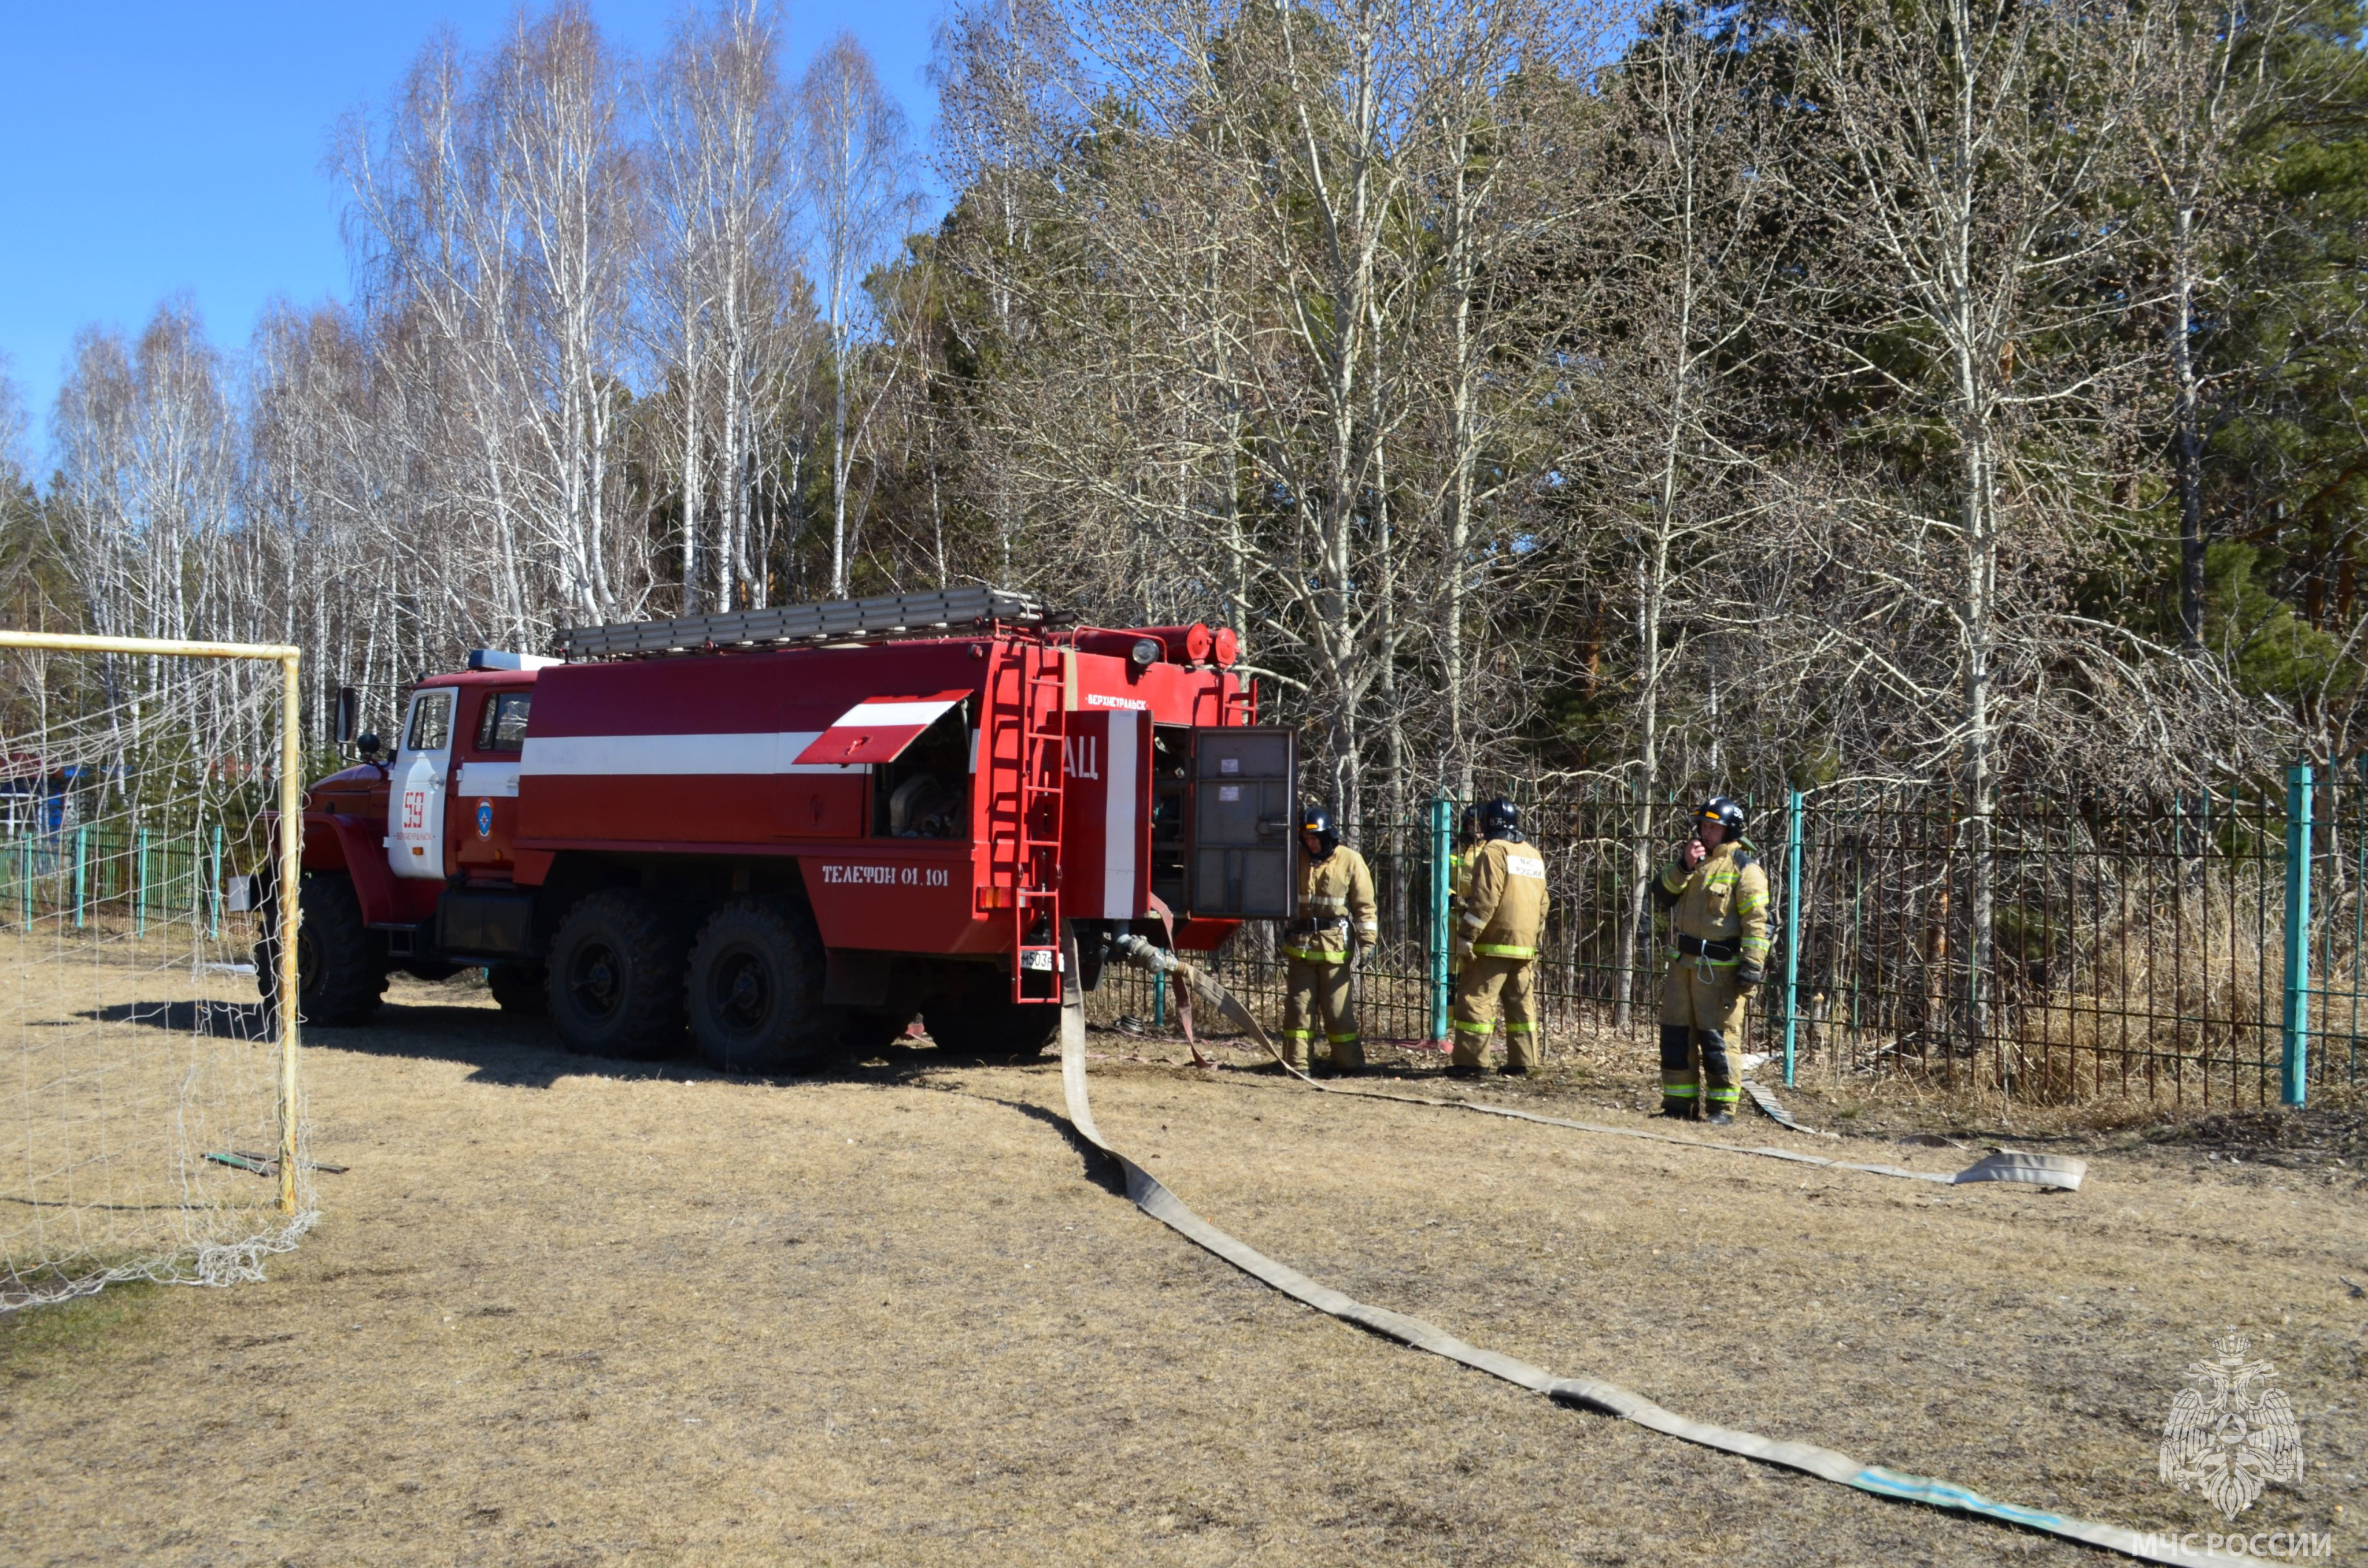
(1505,905)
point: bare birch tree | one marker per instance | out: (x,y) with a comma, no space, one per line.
(1975,143)
(861,197)
(1689,265)
(726,183)
(2196,82)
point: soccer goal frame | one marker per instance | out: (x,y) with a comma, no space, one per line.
(291,846)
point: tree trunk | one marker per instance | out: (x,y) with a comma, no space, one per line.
(2188,440)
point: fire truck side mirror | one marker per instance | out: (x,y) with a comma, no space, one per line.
(349,714)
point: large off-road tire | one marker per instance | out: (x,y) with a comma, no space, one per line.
(520,988)
(756,989)
(615,985)
(979,1018)
(340,966)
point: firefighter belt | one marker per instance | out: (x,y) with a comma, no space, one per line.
(1474,1017)
(1316,996)
(1701,1018)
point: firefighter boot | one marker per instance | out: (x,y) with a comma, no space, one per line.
(1678,1090)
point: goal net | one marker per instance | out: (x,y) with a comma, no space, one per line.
(149,1121)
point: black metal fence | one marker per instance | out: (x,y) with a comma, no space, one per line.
(2050,949)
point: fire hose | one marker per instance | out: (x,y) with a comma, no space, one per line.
(1150,1194)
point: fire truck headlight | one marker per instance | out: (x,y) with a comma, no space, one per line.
(1144,653)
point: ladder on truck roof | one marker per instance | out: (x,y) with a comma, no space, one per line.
(832,621)
(1028,699)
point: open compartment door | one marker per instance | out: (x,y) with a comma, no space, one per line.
(1241,857)
(876,730)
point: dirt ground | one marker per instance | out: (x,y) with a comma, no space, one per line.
(122,1063)
(565,1311)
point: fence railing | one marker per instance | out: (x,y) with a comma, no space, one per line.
(134,877)
(2049,950)
(2210,949)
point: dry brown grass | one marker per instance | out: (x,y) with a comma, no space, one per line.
(563,1312)
(112,1094)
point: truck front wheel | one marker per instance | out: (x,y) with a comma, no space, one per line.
(756,989)
(616,976)
(340,967)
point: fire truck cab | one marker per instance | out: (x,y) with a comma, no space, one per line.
(782,833)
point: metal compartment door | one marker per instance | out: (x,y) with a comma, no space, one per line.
(1241,857)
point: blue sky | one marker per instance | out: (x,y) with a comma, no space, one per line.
(147,149)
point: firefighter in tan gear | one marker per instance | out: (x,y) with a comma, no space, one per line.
(1716,893)
(1496,937)
(1336,906)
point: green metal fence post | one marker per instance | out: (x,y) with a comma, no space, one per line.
(1792,814)
(1442,846)
(213,890)
(2296,1056)
(82,872)
(140,886)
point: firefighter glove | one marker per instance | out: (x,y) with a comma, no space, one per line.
(1749,972)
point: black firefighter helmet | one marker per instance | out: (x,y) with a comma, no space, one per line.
(1499,818)
(1316,820)
(1726,813)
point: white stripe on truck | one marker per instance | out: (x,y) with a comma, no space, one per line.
(881,715)
(1119,820)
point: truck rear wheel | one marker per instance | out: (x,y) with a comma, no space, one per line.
(340,968)
(756,989)
(615,986)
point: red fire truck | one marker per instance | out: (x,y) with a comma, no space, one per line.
(786,831)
